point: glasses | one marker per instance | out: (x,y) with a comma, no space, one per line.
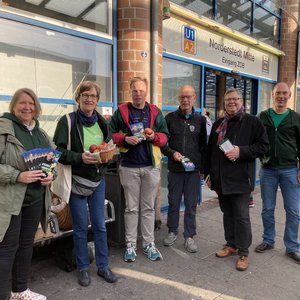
(86,96)
(188,97)
(233,99)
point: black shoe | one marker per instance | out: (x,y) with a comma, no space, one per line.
(294,255)
(108,275)
(84,277)
(263,247)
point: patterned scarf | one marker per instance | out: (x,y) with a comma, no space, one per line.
(85,120)
(222,129)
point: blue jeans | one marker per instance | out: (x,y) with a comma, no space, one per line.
(81,206)
(290,189)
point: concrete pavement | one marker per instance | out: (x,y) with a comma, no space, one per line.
(181,275)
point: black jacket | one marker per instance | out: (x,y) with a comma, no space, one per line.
(188,137)
(237,177)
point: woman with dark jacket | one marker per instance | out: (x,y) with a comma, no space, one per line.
(87,127)
(25,195)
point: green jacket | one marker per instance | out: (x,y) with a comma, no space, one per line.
(73,157)
(284,141)
(11,164)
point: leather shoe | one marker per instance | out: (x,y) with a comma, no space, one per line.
(263,247)
(226,251)
(108,275)
(293,255)
(84,278)
(242,263)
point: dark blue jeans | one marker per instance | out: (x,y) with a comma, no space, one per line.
(186,184)
(16,250)
(81,208)
(236,221)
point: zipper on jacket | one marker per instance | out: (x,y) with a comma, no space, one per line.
(275,146)
(184,137)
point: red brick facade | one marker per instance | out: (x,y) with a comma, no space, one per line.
(134,45)
(288,63)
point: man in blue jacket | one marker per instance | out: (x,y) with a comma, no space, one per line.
(281,167)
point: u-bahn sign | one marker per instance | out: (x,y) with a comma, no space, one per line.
(189,40)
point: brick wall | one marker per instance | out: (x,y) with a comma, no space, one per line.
(288,63)
(134,38)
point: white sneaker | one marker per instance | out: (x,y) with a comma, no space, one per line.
(190,245)
(170,239)
(27,295)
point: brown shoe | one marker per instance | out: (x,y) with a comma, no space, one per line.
(226,251)
(242,263)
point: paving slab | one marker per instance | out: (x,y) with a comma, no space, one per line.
(181,275)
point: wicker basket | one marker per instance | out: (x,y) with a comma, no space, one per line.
(107,154)
(62,212)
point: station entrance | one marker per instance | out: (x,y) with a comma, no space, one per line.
(217,82)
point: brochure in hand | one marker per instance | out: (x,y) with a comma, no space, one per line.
(137,129)
(44,159)
(187,164)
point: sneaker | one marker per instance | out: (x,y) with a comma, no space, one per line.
(170,239)
(84,277)
(27,295)
(263,247)
(108,275)
(190,245)
(152,252)
(226,251)
(242,263)
(130,252)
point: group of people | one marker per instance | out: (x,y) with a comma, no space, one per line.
(226,160)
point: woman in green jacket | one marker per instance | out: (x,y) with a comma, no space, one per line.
(25,195)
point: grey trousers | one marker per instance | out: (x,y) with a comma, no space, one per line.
(140,189)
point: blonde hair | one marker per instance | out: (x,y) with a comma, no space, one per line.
(32,95)
(87,86)
(133,80)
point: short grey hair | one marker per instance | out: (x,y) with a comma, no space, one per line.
(233,90)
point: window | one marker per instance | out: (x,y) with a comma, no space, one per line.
(266,27)
(265,95)
(201,7)
(176,74)
(52,64)
(262,22)
(211,94)
(235,14)
(92,14)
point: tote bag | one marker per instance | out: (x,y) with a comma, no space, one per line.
(62,185)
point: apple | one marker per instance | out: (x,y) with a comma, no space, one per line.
(103,146)
(92,148)
(148,131)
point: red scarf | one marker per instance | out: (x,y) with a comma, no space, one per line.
(222,129)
